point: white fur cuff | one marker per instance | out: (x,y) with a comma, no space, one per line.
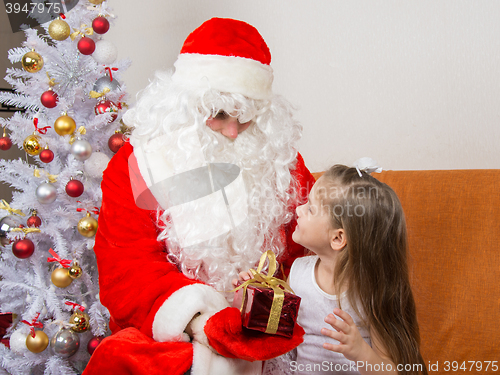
(178,310)
(206,362)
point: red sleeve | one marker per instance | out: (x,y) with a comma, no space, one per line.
(304,181)
(134,276)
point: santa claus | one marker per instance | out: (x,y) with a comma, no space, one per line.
(208,182)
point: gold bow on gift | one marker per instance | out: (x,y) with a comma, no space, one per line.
(5,206)
(265,281)
(86,31)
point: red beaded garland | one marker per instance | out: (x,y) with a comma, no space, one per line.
(74,188)
(46,156)
(49,99)
(115,142)
(5,143)
(86,46)
(23,248)
(100,25)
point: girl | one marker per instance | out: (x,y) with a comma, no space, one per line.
(356,228)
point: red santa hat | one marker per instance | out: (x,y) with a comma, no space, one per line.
(226,55)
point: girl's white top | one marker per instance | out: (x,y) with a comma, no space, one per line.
(315,305)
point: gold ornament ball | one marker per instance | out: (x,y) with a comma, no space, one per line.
(32,62)
(75,271)
(59,30)
(87,226)
(37,344)
(32,145)
(96,2)
(81,322)
(64,125)
(60,277)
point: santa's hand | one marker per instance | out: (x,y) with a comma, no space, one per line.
(187,310)
(242,277)
(226,335)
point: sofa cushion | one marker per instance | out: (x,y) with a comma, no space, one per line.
(453,220)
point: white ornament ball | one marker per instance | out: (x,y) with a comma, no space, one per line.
(17,341)
(105,52)
(46,193)
(81,149)
(96,164)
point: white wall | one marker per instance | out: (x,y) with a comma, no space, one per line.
(414,84)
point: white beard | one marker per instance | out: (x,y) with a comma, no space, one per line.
(218,260)
(265,153)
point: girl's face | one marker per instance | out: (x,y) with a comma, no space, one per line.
(313,224)
(227,125)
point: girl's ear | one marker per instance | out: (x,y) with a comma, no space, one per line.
(337,239)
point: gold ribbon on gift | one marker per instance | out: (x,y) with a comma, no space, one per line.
(5,206)
(51,177)
(86,31)
(277,285)
(94,94)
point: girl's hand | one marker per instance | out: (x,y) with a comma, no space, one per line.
(242,276)
(351,343)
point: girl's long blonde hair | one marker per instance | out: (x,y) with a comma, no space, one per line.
(373,267)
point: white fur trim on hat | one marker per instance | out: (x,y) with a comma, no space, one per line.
(225,73)
(178,310)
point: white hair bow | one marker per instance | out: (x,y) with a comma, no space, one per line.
(367,165)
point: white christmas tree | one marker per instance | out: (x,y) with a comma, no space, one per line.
(69,87)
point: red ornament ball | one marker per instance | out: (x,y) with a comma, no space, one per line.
(116,141)
(100,25)
(107,106)
(34,221)
(49,99)
(46,156)
(23,248)
(74,188)
(5,143)
(93,344)
(86,46)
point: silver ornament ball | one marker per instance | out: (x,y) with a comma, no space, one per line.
(105,82)
(8,223)
(65,343)
(81,149)
(96,164)
(46,193)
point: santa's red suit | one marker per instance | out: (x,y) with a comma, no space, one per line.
(153,305)
(136,279)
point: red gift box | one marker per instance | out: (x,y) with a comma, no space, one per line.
(265,303)
(256,309)
(5,323)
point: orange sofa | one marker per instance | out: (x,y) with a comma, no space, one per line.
(453,220)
